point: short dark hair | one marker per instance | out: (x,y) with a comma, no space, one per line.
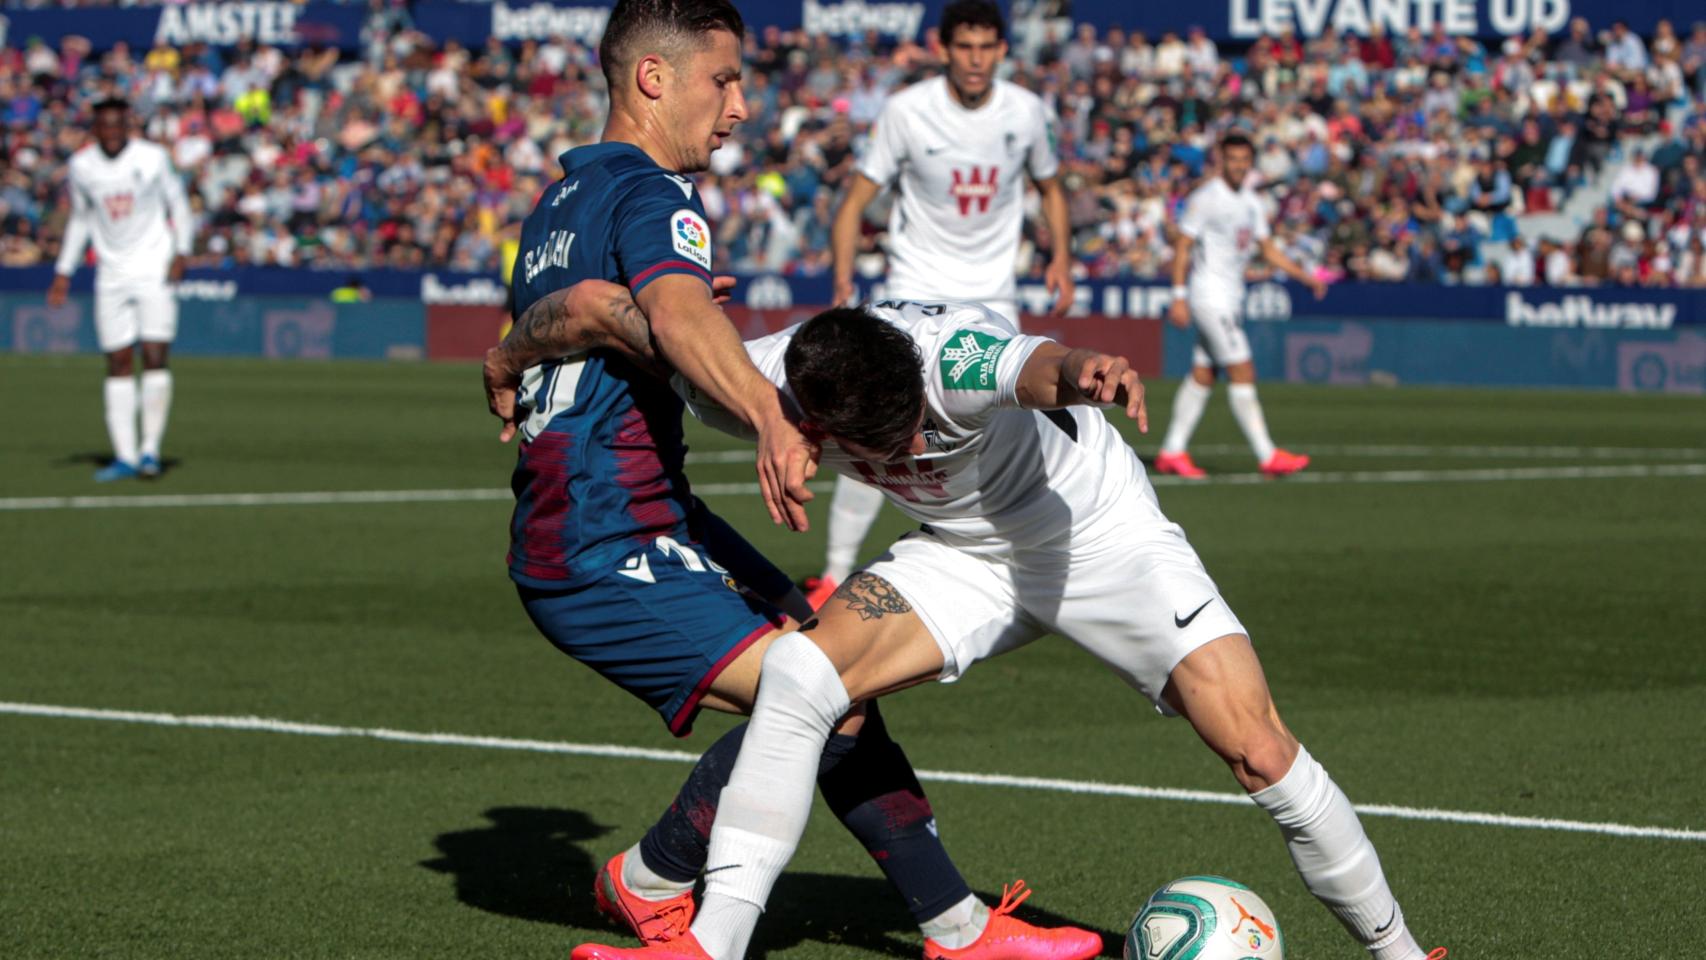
(110,103)
(857,378)
(971,13)
(1236,139)
(669,24)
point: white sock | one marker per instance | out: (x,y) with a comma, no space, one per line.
(642,882)
(1188,405)
(156,404)
(1337,862)
(763,810)
(1248,409)
(724,925)
(960,925)
(852,510)
(120,394)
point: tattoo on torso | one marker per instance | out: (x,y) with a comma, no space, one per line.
(871,597)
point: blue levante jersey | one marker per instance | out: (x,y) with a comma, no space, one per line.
(600,469)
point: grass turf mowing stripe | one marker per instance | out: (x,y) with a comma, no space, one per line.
(617,751)
(323,497)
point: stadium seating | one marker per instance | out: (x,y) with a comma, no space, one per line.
(1391,160)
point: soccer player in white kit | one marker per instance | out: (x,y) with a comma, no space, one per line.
(1037,519)
(956,147)
(123,193)
(1222,225)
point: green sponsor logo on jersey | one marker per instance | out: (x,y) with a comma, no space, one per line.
(968,361)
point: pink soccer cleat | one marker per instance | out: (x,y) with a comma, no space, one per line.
(818,590)
(684,947)
(653,921)
(1284,462)
(1179,465)
(1009,938)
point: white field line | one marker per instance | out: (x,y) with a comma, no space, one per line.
(1633,471)
(1376,450)
(617,751)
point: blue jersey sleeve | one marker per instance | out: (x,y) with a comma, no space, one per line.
(661,229)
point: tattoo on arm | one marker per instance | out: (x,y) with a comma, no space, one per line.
(547,329)
(631,327)
(544,330)
(871,597)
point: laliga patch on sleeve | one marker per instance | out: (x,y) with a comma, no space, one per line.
(691,237)
(968,360)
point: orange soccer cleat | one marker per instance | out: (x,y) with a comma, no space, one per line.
(1179,465)
(684,947)
(1284,462)
(1009,938)
(818,590)
(1437,953)
(653,921)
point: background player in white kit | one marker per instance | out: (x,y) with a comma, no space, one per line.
(957,147)
(123,192)
(1222,225)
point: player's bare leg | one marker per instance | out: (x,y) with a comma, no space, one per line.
(1221,690)
(156,404)
(1247,410)
(1188,405)
(118,394)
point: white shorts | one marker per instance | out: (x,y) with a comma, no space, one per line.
(130,311)
(1139,605)
(1220,336)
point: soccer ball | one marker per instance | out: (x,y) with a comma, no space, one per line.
(1204,918)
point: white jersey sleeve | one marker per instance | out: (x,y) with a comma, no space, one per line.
(972,357)
(886,149)
(76,227)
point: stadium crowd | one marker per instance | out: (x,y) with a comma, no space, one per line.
(1384,158)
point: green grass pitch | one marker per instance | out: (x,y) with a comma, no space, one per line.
(1531,647)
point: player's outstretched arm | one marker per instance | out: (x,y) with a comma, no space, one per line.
(1056,376)
(591,314)
(695,338)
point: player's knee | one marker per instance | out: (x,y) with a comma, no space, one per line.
(120,363)
(799,681)
(1264,755)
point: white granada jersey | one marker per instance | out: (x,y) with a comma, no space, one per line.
(954,230)
(995,478)
(124,203)
(1227,225)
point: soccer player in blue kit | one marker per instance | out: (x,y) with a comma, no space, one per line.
(616,561)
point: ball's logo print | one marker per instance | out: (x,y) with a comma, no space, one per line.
(1258,929)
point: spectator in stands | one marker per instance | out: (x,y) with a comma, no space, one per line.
(1636,186)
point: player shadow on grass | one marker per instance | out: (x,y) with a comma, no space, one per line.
(101,460)
(531,863)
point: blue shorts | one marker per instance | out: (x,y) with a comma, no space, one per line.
(668,618)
